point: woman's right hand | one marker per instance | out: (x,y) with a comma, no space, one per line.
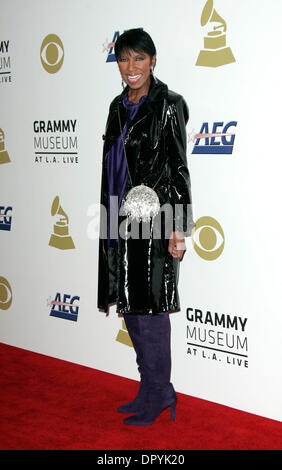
(176,245)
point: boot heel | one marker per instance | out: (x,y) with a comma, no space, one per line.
(172,412)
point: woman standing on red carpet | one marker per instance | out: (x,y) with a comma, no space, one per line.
(144,143)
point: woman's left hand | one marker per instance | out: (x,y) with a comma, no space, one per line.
(176,245)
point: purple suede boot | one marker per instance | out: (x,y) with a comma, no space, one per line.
(156,366)
(133,328)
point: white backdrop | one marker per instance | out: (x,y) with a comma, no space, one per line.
(230,277)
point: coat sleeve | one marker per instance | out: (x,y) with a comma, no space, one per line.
(180,183)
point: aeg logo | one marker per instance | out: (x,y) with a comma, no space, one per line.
(5,218)
(215,142)
(65,308)
(109,46)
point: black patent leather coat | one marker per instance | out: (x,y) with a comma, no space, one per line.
(141,275)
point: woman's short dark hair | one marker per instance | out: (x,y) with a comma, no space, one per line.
(136,40)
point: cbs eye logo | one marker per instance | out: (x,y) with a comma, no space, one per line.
(52,53)
(5,294)
(208,238)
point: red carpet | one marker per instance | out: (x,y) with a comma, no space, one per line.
(51,404)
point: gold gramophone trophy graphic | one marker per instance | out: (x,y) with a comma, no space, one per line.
(123,336)
(4,156)
(215,52)
(60,238)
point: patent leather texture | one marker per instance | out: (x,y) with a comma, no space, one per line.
(140,275)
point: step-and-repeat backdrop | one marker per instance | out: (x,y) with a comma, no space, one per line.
(58,75)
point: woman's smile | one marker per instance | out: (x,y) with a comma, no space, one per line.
(133,78)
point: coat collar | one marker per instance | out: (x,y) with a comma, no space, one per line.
(157,92)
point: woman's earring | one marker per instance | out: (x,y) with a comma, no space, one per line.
(153,75)
(122,83)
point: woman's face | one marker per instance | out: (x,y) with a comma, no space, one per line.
(135,68)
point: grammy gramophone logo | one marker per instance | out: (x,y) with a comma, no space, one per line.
(4,156)
(60,238)
(52,53)
(123,336)
(215,52)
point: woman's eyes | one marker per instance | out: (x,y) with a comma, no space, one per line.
(125,60)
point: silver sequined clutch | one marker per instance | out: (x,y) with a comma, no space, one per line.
(141,203)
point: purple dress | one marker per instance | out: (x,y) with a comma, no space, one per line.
(117,169)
